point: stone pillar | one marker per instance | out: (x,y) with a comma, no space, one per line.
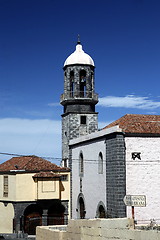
(65,204)
(44,217)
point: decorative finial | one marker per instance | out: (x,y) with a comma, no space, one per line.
(78,42)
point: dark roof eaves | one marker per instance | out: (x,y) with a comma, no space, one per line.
(135,134)
(13,172)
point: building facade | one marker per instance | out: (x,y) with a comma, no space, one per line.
(33,191)
(130,151)
(101,183)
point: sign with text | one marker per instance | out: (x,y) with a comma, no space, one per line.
(127,200)
(135,200)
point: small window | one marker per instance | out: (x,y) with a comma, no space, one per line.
(5,186)
(65,162)
(81,164)
(100,163)
(64,177)
(83,119)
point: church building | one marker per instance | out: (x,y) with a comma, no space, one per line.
(106,165)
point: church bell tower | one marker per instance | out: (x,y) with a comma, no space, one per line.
(78,100)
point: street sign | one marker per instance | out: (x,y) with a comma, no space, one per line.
(135,200)
(127,200)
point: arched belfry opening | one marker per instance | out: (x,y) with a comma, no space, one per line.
(72,83)
(78,99)
(82,83)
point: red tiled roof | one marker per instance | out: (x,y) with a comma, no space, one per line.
(30,163)
(46,175)
(138,123)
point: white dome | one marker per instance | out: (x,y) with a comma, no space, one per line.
(79,57)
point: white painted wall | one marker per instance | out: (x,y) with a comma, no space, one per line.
(143,176)
(6,218)
(93,183)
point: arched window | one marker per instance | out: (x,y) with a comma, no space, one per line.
(82,83)
(102,213)
(100,163)
(81,211)
(82,208)
(81,164)
(101,210)
(71,84)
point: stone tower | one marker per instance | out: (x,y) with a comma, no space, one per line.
(78,100)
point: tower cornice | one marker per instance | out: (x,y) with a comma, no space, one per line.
(67,99)
(79,64)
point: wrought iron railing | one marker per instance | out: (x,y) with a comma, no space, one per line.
(78,95)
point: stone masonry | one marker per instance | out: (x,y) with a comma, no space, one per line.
(79,100)
(115,176)
(71,128)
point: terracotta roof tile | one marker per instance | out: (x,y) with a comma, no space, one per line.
(30,163)
(138,123)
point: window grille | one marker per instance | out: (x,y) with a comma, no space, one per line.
(5,186)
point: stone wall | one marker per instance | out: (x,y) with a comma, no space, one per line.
(115,175)
(96,229)
(72,128)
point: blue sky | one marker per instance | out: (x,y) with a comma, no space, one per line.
(36,36)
